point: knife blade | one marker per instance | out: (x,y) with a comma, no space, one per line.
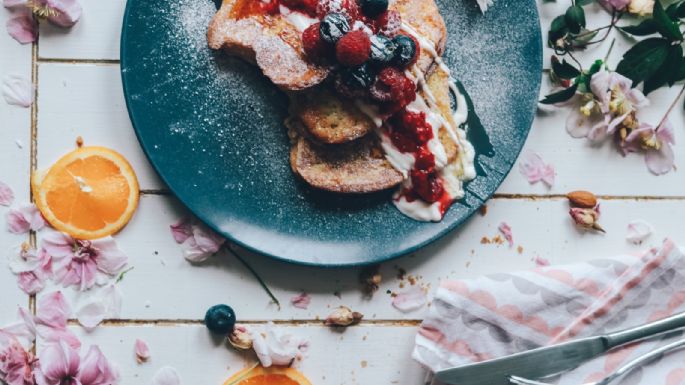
(536,363)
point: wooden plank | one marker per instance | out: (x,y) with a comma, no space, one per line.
(95,36)
(358,356)
(87,101)
(162,278)
(15,151)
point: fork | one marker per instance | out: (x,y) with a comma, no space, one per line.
(515,380)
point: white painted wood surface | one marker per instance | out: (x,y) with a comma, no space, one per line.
(79,94)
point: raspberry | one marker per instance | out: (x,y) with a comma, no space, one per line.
(425,160)
(353,49)
(328,6)
(393,89)
(409,132)
(315,48)
(307,6)
(427,185)
(414,122)
(389,23)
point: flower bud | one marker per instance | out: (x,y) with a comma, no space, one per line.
(641,7)
(343,316)
(240,339)
(586,218)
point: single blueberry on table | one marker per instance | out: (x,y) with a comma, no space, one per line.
(220,319)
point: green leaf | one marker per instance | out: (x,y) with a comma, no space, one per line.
(680,74)
(557,30)
(575,18)
(645,28)
(668,72)
(643,59)
(666,27)
(585,36)
(560,96)
(564,70)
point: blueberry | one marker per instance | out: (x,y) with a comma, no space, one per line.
(220,319)
(373,8)
(405,52)
(333,27)
(382,50)
(360,77)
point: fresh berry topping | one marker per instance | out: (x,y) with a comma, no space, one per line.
(220,319)
(306,6)
(414,123)
(358,78)
(315,48)
(382,50)
(353,49)
(353,11)
(333,27)
(389,23)
(425,160)
(427,185)
(373,8)
(407,52)
(393,89)
(327,6)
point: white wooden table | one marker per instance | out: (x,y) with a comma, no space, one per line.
(79,93)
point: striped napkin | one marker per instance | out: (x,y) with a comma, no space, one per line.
(498,315)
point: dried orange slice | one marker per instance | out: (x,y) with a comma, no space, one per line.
(89,193)
(268,376)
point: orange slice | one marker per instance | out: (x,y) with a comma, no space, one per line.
(89,193)
(274,375)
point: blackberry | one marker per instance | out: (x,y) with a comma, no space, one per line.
(333,27)
(220,319)
(373,8)
(382,50)
(361,77)
(406,51)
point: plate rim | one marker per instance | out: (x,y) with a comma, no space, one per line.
(229,237)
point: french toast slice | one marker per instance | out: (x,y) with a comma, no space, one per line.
(360,166)
(269,41)
(332,119)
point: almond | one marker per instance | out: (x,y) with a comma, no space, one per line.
(582,199)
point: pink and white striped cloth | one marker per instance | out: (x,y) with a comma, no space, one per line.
(493,316)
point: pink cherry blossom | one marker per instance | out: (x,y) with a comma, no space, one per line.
(17,90)
(6,195)
(83,263)
(274,346)
(505,229)
(33,268)
(50,322)
(16,362)
(14,3)
(61,364)
(63,13)
(657,143)
(409,300)
(535,169)
(301,301)
(142,351)
(23,28)
(96,370)
(24,218)
(197,240)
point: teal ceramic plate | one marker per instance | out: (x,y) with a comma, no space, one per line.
(212,127)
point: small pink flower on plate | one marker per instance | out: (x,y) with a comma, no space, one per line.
(83,263)
(6,195)
(166,376)
(23,28)
(301,301)
(410,300)
(638,231)
(17,90)
(197,240)
(142,351)
(24,218)
(505,229)
(535,169)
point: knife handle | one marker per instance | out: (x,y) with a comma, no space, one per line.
(649,330)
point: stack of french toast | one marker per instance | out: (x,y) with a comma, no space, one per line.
(340,137)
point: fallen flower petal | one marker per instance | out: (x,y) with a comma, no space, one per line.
(17,91)
(240,338)
(53,310)
(505,229)
(541,262)
(343,316)
(301,301)
(535,170)
(59,364)
(638,231)
(410,300)
(181,230)
(65,13)
(95,369)
(13,3)
(23,28)
(197,240)
(166,376)
(142,351)
(24,218)
(105,304)
(6,195)
(30,283)
(275,347)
